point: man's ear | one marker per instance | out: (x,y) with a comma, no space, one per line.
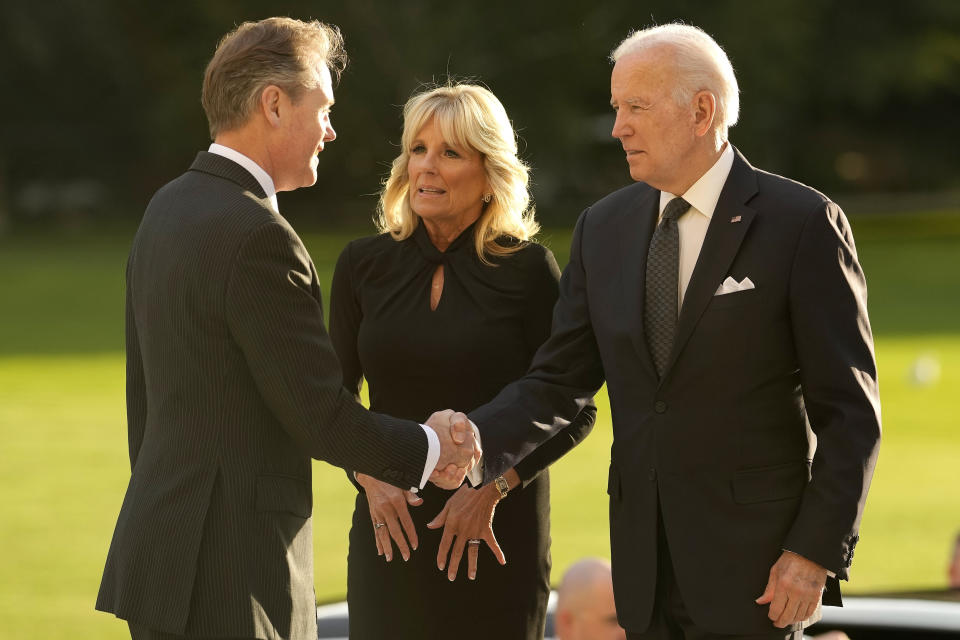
(270,99)
(704,112)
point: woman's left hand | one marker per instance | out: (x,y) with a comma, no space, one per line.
(468,515)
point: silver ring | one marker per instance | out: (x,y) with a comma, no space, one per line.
(474,541)
(377,525)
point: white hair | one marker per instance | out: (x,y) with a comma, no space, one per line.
(701,65)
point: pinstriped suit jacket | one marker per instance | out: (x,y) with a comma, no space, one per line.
(232,387)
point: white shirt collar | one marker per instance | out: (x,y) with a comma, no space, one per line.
(705,192)
(255,170)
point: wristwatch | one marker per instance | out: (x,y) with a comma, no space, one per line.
(502,486)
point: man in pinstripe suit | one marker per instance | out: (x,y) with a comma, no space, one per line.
(232,384)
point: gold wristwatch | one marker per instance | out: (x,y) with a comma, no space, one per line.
(502,486)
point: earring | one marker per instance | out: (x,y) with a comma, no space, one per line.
(487,197)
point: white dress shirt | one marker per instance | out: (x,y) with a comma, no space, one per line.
(262,177)
(702,196)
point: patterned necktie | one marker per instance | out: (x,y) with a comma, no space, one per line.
(663,290)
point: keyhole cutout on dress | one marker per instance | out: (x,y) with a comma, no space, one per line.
(436,287)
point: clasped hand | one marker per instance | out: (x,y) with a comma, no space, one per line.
(459,449)
(467,515)
(459,453)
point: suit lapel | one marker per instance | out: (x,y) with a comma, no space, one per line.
(635,233)
(720,247)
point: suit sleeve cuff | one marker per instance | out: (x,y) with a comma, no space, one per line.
(433,456)
(830,574)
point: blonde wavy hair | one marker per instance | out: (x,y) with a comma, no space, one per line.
(468,116)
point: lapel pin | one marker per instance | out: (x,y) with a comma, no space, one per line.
(736,219)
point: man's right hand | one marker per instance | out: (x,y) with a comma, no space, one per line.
(794,589)
(459,449)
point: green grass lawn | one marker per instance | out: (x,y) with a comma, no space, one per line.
(63,457)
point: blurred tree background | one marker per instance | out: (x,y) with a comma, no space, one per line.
(103,105)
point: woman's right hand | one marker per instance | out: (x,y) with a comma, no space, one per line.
(389,516)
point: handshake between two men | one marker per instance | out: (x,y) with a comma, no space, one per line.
(459,448)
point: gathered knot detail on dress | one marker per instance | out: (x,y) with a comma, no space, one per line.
(433,255)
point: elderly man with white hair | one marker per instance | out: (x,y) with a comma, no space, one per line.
(725,308)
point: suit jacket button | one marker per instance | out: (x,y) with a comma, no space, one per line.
(652,474)
(660,406)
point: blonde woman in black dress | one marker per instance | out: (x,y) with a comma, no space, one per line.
(442,309)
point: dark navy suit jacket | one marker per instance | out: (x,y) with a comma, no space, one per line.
(723,443)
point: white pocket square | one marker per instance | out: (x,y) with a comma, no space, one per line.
(732,286)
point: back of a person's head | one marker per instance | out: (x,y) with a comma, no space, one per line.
(283,52)
(585,604)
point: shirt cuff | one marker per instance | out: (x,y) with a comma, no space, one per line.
(475,475)
(433,456)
